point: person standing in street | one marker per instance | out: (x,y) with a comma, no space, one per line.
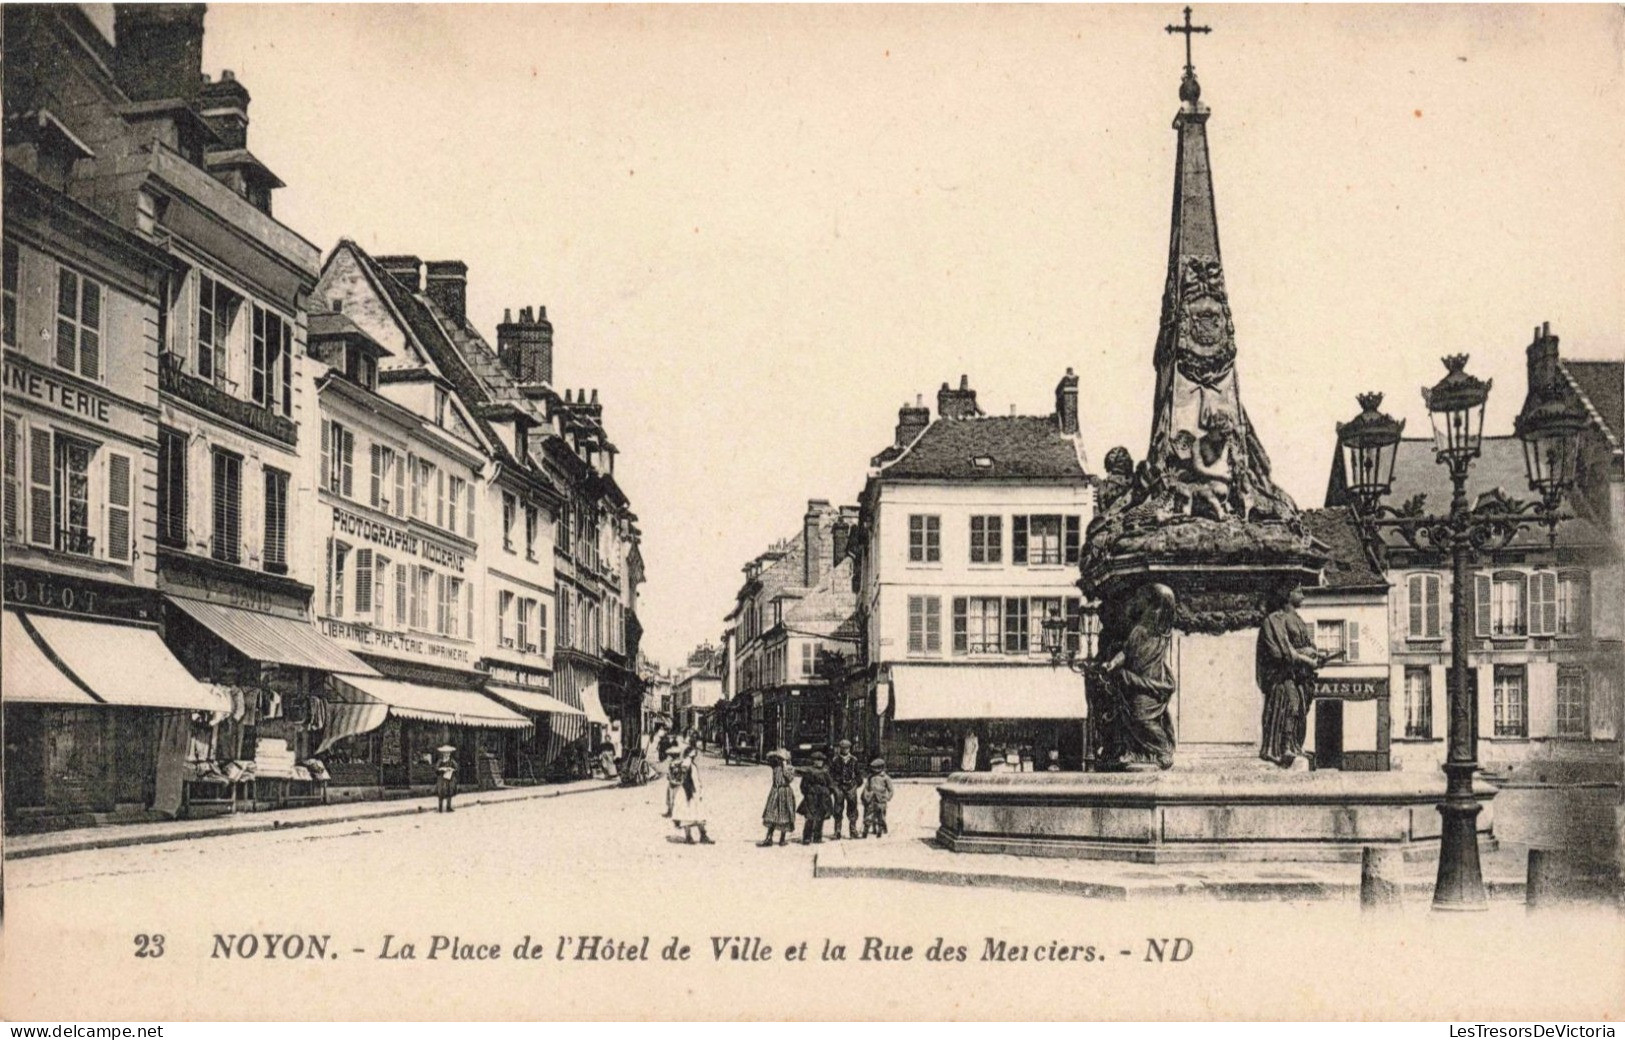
(690,811)
(445,784)
(815,799)
(779,814)
(846,780)
(877,792)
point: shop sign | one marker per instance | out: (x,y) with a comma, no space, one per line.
(1351,689)
(395,538)
(236,594)
(70,595)
(57,394)
(378,640)
(519,677)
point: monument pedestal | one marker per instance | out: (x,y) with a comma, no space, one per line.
(1179,816)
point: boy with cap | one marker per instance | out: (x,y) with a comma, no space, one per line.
(815,799)
(846,780)
(445,785)
(876,793)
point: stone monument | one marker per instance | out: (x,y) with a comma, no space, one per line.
(1197,530)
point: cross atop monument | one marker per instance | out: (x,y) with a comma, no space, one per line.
(1188,30)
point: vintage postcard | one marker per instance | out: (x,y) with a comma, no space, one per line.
(805,489)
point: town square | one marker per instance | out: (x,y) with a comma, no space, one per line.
(694,489)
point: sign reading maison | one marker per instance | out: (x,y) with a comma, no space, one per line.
(1352,688)
(389,537)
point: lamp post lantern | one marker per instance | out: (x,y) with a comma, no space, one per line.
(1549,426)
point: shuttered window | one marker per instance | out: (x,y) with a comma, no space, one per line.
(399,470)
(216,311)
(271,360)
(380,589)
(276,521)
(1481,605)
(339,578)
(172,488)
(468,512)
(79,324)
(118,506)
(1573,601)
(375,492)
(541,627)
(1017,626)
(13,477)
(403,618)
(1543,603)
(454,606)
(924,625)
(454,502)
(1509,604)
(228,506)
(1422,595)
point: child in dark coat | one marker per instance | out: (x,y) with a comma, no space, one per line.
(816,799)
(877,792)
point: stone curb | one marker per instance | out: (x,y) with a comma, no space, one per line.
(1418,892)
(112,840)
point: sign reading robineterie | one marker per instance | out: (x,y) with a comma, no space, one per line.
(60,395)
(346,522)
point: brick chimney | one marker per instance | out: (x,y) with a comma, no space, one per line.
(812,539)
(158,50)
(957,404)
(448,287)
(525,347)
(911,420)
(404,269)
(224,106)
(1066,403)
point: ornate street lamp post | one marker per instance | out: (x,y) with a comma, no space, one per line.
(1549,426)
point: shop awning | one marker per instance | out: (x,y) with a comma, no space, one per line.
(277,640)
(527,699)
(595,706)
(120,665)
(27,676)
(443,704)
(986,692)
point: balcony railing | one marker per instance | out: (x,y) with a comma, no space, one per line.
(173,379)
(72,540)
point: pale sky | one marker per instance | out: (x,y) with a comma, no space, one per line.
(758,231)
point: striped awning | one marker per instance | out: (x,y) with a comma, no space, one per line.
(594,705)
(528,699)
(112,664)
(276,640)
(443,704)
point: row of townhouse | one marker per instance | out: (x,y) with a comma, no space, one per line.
(274,528)
(919,633)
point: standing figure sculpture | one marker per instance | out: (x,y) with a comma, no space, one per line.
(1130,691)
(1286,665)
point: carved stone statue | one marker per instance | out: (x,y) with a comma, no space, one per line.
(1119,479)
(1129,690)
(1286,663)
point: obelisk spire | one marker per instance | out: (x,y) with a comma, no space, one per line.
(1198,412)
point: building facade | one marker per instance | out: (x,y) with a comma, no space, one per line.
(968,539)
(1546,658)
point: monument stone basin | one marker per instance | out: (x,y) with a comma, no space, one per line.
(1180,816)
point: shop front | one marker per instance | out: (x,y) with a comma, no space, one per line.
(531,693)
(951,718)
(250,636)
(99,715)
(800,719)
(384,732)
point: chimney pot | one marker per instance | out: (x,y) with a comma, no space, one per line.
(404,269)
(158,50)
(1066,404)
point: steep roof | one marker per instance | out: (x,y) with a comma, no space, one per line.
(1601,385)
(830,608)
(1349,566)
(990,447)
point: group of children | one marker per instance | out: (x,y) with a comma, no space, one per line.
(828,790)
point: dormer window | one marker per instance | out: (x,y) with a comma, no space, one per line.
(361,367)
(982,462)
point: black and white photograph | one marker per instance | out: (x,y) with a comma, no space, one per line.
(805,488)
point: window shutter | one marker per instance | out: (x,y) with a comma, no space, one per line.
(41,519)
(340,551)
(440,498)
(118,506)
(67,311)
(400,484)
(1353,641)
(330,577)
(402,617)
(259,385)
(14,484)
(377,488)
(961,625)
(1072,538)
(363,582)
(1416,593)
(90,322)
(1543,610)
(468,514)
(1481,605)
(1018,539)
(346,447)
(287,368)
(440,603)
(468,607)
(417,485)
(1431,589)
(327,454)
